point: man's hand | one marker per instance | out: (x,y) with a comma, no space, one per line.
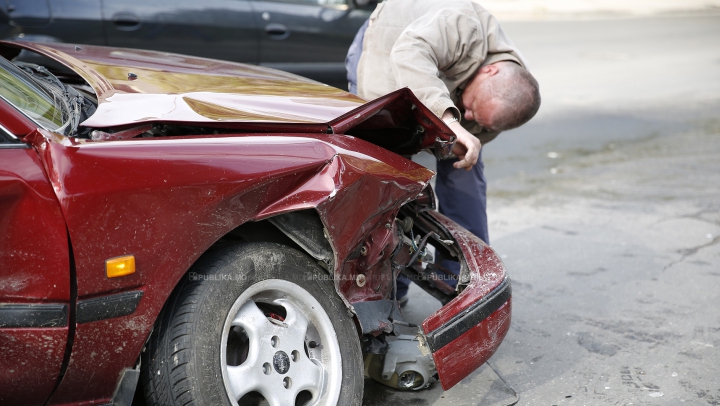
(466,148)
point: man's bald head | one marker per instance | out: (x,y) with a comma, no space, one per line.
(501,96)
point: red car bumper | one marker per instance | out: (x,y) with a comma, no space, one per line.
(467,331)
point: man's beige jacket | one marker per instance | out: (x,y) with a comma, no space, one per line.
(433,47)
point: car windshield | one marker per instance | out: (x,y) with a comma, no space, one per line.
(18,89)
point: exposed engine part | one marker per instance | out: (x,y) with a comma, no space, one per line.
(403,367)
(374,345)
(168,130)
(419,247)
(431,281)
(445,249)
(154,131)
(421,266)
(377,316)
(98,135)
(406,224)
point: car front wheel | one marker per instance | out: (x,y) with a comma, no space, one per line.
(256,324)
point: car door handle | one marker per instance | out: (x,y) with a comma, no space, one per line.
(126,21)
(277,31)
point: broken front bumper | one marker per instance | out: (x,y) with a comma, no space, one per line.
(466,332)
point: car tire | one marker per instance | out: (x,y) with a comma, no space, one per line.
(254,324)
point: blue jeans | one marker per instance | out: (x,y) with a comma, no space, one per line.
(461,194)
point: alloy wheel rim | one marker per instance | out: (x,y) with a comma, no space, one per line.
(283,357)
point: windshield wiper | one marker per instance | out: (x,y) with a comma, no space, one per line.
(71,101)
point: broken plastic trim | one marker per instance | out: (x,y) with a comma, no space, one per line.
(376,315)
(306,229)
(470,317)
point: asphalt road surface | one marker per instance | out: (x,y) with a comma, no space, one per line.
(606,211)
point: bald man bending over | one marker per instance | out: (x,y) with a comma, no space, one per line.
(457,60)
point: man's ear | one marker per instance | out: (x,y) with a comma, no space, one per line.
(489,70)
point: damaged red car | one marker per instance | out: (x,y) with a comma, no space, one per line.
(213,233)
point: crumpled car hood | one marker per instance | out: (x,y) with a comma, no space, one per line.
(136,86)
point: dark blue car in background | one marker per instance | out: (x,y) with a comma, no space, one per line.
(306,37)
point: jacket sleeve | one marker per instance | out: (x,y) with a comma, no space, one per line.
(449,44)
(436,45)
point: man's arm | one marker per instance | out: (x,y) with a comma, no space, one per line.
(446,41)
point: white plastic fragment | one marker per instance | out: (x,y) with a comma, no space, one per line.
(655,394)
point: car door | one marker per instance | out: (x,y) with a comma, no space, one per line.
(220,29)
(34,271)
(27,13)
(307,37)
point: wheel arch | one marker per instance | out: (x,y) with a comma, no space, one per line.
(301,229)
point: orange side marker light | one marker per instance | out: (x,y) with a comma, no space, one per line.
(120,266)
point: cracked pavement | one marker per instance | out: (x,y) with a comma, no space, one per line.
(606,211)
